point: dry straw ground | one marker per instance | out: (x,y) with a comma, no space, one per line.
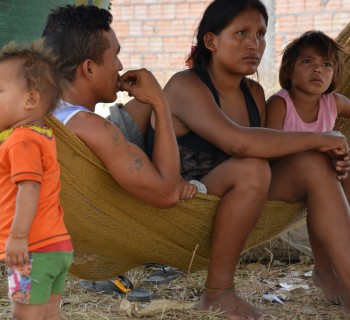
(176,300)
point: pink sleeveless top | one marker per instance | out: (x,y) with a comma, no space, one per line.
(327,114)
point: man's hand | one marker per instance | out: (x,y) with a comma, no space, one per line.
(187,190)
(142,85)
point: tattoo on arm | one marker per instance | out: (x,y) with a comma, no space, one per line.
(115,137)
(135,163)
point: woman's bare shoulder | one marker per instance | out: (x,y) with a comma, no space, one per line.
(255,87)
(183,78)
(185,86)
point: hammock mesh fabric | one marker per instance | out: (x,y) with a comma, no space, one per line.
(113,231)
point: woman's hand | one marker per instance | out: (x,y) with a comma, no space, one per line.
(335,144)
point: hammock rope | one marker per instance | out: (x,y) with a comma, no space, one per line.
(113,231)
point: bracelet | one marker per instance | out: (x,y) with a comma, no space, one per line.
(18,236)
(211,288)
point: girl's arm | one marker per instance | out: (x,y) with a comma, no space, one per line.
(343,104)
(16,250)
(275,112)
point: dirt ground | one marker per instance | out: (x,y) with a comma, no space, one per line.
(299,300)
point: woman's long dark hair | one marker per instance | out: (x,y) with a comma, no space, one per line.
(216,17)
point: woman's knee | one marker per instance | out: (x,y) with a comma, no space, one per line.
(246,174)
(255,174)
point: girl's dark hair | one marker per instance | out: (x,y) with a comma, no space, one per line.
(325,46)
(216,17)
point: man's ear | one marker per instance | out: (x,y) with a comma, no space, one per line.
(88,68)
(210,41)
(33,100)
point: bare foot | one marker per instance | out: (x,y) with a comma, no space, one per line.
(330,285)
(229,303)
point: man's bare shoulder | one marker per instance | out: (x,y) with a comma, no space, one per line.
(95,130)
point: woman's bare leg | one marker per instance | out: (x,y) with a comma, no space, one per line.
(310,176)
(243,185)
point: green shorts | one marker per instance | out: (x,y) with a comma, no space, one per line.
(34,282)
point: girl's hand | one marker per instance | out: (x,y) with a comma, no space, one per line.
(187,190)
(16,252)
(342,166)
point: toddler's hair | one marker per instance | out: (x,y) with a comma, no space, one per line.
(38,68)
(326,46)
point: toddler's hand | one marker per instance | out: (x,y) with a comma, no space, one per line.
(16,252)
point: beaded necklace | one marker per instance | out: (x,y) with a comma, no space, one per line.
(41,129)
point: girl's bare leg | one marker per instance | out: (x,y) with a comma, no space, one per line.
(243,185)
(310,176)
(346,187)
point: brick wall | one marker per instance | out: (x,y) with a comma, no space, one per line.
(157,34)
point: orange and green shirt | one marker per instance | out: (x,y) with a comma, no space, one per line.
(29,153)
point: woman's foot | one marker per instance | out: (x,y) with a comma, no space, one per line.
(229,303)
(329,283)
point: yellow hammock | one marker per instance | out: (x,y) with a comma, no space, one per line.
(113,231)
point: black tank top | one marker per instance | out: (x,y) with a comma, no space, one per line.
(199,156)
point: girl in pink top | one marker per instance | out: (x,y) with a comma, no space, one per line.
(312,67)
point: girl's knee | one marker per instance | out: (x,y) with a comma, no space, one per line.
(311,164)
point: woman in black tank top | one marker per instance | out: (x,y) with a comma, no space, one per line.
(217,113)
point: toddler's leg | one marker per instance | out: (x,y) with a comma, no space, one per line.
(53,311)
(22,311)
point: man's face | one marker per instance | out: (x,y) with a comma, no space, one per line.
(107,74)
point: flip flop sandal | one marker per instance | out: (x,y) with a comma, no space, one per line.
(164,275)
(121,287)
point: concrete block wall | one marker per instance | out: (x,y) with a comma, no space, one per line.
(157,34)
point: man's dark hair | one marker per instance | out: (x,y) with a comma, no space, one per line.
(75,33)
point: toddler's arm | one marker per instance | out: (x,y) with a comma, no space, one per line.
(16,249)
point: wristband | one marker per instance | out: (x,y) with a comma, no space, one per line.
(18,236)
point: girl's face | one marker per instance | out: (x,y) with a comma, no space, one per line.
(312,72)
(240,46)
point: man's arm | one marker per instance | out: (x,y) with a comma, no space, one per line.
(156,181)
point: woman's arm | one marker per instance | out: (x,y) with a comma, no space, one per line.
(193,104)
